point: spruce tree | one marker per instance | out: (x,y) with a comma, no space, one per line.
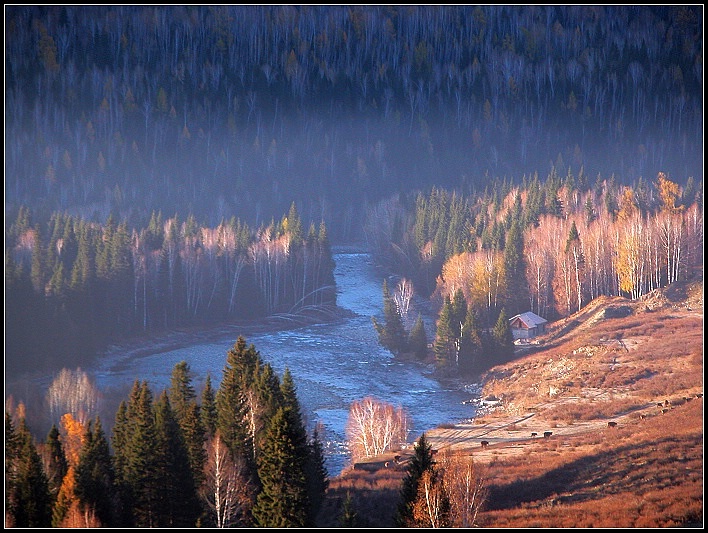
(316,472)
(182,398)
(282,501)
(421,461)
(95,478)
(392,333)
(418,339)
(445,347)
(27,490)
(141,468)
(178,504)
(470,343)
(207,409)
(57,464)
(230,402)
(503,339)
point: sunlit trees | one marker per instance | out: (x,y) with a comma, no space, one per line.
(227,488)
(374,427)
(72,391)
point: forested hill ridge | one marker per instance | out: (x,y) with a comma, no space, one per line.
(214,110)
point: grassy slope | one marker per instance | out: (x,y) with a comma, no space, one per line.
(587,370)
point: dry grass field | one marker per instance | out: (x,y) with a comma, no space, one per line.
(619,386)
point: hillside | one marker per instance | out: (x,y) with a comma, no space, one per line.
(635,364)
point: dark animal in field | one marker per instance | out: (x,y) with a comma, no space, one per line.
(642,417)
(660,404)
(484,443)
(664,411)
(611,424)
(667,403)
(699,395)
(534,434)
(547,434)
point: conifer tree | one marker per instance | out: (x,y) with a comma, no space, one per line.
(56,465)
(182,398)
(27,498)
(502,338)
(470,343)
(207,409)
(418,339)
(445,346)
(282,501)
(392,333)
(231,402)
(95,477)
(422,461)
(178,504)
(316,472)
(141,457)
(348,518)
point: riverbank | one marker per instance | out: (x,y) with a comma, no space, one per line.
(601,426)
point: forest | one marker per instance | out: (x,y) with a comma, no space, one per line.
(187,166)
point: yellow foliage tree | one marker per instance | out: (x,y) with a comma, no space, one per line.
(73,436)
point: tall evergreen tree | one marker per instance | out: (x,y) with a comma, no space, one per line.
(56,461)
(182,398)
(470,343)
(392,333)
(27,497)
(418,339)
(445,346)
(421,462)
(95,478)
(316,473)
(231,406)
(142,466)
(503,339)
(207,409)
(178,504)
(282,501)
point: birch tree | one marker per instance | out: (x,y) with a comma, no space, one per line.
(374,427)
(227,489)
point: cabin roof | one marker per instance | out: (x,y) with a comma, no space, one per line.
(529,319)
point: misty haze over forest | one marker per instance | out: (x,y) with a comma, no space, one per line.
(241,110)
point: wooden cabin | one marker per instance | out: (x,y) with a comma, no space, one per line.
(527,325)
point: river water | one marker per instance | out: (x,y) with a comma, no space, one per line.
(332,365)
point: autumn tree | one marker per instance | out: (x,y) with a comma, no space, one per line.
(374,427)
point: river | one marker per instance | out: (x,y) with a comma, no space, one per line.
(332,365)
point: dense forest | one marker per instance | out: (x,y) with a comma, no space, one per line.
(172,459)
(76,285)
(223,110)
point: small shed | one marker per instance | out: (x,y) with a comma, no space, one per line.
(527,325)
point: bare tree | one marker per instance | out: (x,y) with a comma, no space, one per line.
(374,427)
(226,489)
(466,487)
(402,297)
(73,392)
